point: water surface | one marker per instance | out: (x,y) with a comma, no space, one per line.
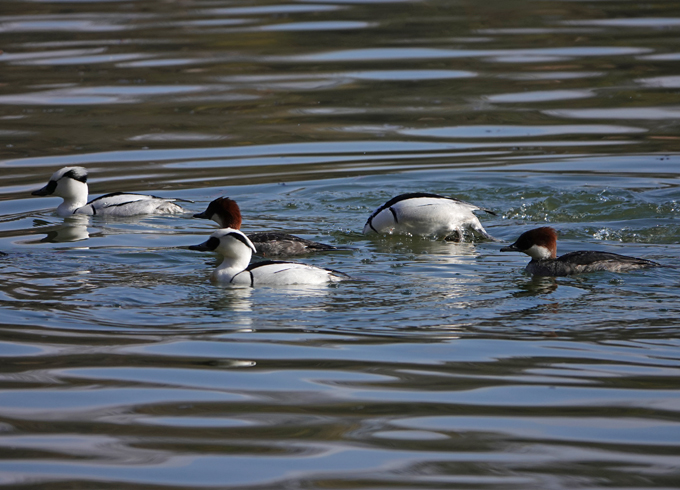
(442,365)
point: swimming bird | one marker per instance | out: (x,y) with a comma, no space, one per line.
(70,183)
(541,245)
(421,213)
(226,213)
(236,250)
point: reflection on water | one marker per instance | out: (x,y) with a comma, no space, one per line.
(73,229)
(507,131)
(535,285)
(442,365)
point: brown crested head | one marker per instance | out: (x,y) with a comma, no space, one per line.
(544,236)
(224,211)
(229,213)
(539,243)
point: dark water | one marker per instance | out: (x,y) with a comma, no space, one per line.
(444,366)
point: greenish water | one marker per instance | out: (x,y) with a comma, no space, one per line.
(443,365)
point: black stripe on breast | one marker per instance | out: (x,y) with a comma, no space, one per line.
(370,223)
(262,263)
(252,279)
(394,215)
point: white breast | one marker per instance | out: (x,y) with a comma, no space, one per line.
(538,252)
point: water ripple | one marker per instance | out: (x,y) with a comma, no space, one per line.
(442,364)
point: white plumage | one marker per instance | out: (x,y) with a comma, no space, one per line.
(70,183)
(427,215)
(236,250)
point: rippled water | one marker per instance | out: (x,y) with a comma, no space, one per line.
(442,365)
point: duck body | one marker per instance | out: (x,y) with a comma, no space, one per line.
(541,245)
(587,261)
(128,204)
(227,214)
(236,250)
(70,183)
(273,243)
(426,214)
(281,273)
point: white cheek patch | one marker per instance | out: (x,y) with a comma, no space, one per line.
(538,252)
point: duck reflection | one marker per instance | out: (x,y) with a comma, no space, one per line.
(535,285)
(72,229)
(450,251)
(237,299)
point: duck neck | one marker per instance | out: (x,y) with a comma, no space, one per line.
(67,208)
(74,199)
(229,267)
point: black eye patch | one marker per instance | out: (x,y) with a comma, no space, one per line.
(212,243)
(208,246)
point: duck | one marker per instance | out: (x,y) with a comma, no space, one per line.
(236,250)
(426,214)
(227,214)
(70,183)
(541,245)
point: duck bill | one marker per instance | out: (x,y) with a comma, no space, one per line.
(202,215)
(208,246)
(510,248)
(47,190)
(201,247)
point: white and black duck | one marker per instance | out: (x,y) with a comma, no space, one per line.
(425,214)
(70,183)
(236,251)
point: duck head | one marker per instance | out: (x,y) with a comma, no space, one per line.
(539,243)
(223,211)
